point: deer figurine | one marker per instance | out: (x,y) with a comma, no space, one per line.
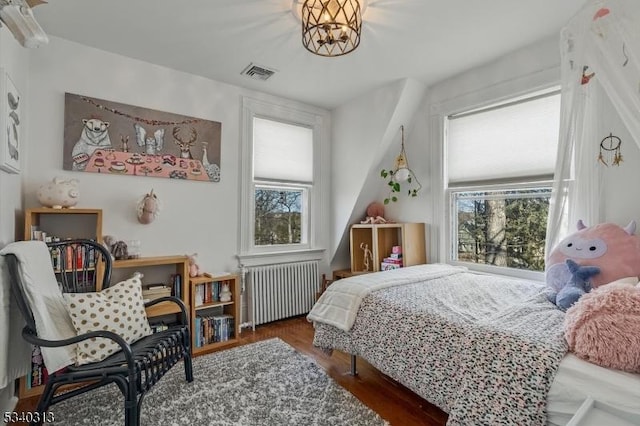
(185,147)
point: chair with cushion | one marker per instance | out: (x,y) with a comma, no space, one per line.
(91,333)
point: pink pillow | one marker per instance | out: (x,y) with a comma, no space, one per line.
(603,327)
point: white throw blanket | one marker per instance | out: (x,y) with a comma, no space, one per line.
(45,299)
(15,352)
(339,304)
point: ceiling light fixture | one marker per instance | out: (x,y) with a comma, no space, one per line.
(331,27)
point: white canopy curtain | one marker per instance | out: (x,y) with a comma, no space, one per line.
(600,51)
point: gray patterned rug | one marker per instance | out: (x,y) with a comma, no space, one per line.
(264,383)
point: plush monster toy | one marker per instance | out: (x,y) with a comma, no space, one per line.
(613,250)
(576,287)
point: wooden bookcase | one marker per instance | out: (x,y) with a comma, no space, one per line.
(152,267)
(87,223)
(204,308)
(380,238)
(64,223)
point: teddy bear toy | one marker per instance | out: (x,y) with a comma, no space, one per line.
(589,258)
(194,269)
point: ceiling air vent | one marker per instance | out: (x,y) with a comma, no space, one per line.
(258,72)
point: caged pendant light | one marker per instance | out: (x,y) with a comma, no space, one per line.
(331,27)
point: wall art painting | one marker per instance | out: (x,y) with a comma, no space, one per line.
(10,124)
(112,138)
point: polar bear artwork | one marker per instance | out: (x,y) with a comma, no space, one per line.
(94,136)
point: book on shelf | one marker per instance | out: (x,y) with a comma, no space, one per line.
(177,285)
(213,329)
(208,293)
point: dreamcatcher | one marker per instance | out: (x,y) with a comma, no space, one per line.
(610,151)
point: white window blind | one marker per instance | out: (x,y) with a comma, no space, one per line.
(282,152)
(516,140)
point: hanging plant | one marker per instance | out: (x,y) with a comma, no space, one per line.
(399,174)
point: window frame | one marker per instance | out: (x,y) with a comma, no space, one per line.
(452,226)
(288,112)
(441,113)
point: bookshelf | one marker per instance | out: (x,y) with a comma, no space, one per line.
(74,223)
(160,269)
(214,323)
(44,223)
(381,238)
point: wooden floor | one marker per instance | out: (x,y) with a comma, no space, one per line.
(392,401)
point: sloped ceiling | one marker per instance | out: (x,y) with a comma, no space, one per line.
(427,40)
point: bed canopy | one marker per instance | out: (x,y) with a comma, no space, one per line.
(600,53)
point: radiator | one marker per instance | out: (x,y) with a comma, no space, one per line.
(282,291)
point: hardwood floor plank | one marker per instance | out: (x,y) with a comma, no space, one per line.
(393,401)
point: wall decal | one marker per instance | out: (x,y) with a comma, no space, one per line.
(10,126)
(112,138)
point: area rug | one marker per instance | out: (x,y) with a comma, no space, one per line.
(264,383)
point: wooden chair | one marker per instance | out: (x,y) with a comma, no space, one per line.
(134,368)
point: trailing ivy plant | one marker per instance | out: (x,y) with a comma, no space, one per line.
(395,187)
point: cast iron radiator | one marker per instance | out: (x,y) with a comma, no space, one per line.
(282,290)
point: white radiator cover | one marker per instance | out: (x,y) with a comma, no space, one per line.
(282,290)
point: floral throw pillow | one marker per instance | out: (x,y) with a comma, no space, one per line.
(119,309)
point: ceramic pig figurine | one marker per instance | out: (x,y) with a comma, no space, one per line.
(60,192)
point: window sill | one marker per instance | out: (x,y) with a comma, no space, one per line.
(259,259)
(502,271)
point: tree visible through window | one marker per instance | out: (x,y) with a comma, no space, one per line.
(278,216)
(502,227)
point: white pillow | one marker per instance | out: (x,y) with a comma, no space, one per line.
(119,309)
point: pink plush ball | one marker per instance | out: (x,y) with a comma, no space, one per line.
(603,327)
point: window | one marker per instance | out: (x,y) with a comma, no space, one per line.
(282,184)
(282,177)
(500,163)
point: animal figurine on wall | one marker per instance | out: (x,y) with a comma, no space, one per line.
(153,145)
(148,208)
(94,136)
(614,250)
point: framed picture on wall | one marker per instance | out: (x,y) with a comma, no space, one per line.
(113,138)
(10,124)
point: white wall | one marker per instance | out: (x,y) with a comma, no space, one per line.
(363,130)
(197,217)
(15,61)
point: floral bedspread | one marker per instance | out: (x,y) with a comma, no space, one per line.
(482,348)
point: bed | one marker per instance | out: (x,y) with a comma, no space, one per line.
(485,349)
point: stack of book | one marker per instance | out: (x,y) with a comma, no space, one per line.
(393,261)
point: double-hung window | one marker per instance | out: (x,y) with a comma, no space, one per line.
(282,181)
(499,171)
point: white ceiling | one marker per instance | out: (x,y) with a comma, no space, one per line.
(429,40)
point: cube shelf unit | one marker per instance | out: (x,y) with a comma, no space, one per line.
(380,238)
(213,308)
